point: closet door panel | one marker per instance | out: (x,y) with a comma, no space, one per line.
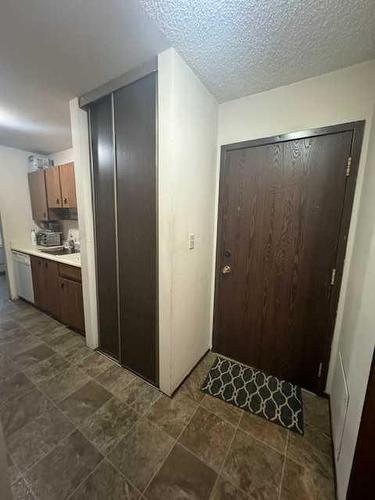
(105,223)
(135,125)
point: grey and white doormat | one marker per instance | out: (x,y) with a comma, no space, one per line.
(253,390)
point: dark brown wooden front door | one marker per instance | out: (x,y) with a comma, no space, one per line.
(280,222)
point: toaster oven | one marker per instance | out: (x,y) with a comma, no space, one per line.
(49,238)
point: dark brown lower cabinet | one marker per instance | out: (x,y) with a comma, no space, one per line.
(58,291)
(38,282)
(71,304)
(45,281)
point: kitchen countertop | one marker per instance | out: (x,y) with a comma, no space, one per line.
(73,259)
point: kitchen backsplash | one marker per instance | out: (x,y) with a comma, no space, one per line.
(70,229)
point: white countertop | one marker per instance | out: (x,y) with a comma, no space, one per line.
(73,259)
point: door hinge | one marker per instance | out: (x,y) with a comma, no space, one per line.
(348,166)
(320,370)
(333,277)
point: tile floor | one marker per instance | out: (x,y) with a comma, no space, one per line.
(78,426)
(4,294)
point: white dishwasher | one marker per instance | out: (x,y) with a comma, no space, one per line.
(23,276)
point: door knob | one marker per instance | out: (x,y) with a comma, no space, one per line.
(226,270)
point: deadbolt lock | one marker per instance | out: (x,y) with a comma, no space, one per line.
(226,270)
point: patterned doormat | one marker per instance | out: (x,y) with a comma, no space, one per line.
(253,390)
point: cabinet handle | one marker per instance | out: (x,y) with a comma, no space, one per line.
(57,201)
(65,201)
(62,285)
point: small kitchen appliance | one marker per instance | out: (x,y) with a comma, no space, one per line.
(49,238)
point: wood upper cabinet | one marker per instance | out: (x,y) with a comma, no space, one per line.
(38,195)
(53,187)
(68,186)
(61,186)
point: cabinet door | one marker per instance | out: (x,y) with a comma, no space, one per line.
(68,186)
(71,304)
(38,195)
(46,286)
(53,187)
(51,286)
(38,282)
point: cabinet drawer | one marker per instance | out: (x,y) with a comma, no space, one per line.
(70,272)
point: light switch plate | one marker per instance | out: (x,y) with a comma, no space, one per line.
(191,241)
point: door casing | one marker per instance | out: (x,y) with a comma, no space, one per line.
(357,128)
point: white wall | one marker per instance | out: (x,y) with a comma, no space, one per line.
(357,339)
(187,170)
(337,97)
(61,157)
(2,252)
(15,205)
(81,158)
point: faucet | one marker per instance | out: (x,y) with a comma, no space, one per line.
(71,245)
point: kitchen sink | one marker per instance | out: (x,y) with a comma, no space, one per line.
(61,251)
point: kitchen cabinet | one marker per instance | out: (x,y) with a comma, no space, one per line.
(51,285)
(46,293)
(58,291)
(68,186)
(38,195)
(61,188)
(38,282)
(45,282)
(71,303)
(53,187)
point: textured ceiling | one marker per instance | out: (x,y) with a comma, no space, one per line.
(54,50)
(240,47)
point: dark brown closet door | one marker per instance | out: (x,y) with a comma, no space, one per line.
(105,223)
(281,207)
(135,125)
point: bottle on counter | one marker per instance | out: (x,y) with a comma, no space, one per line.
(33,237)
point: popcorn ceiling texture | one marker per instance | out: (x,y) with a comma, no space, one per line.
(240,47)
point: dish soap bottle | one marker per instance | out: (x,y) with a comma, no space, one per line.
(33,237)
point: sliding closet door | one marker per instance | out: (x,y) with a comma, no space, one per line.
(135,125)
(105,223)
